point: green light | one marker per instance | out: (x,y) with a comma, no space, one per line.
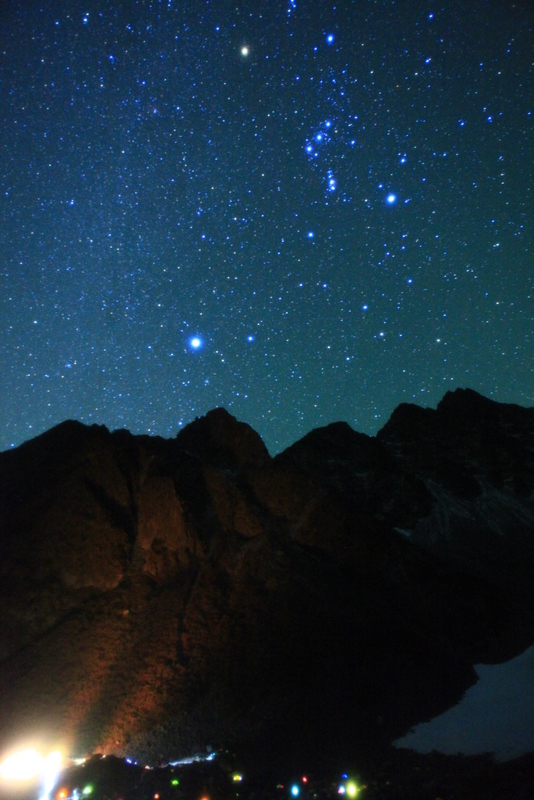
(175,782)
(88,789)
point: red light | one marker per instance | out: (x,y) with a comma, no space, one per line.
(304,779)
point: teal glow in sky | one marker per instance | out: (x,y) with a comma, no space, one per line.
(228,174)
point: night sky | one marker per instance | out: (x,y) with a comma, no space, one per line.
(303,211)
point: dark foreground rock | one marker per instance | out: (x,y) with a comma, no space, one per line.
(158,596)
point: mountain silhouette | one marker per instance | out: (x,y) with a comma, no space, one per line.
(158,597)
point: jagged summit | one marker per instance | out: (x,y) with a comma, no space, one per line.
(456,410)
(468,399)
(223,441)
(156,595)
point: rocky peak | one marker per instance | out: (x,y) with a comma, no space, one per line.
(220,440)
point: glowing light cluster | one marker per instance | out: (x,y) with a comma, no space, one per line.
(29,765)
(350,788)
(25,765)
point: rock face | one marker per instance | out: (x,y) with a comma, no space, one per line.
(159,595)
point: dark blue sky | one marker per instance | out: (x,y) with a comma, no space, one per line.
(334,199)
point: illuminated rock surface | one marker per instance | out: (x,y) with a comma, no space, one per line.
(159,595)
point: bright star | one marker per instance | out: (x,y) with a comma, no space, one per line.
(310,234)
(330,38)
(245,51)
(391,198)
(195,342)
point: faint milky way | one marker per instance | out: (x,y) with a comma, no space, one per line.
(334,199)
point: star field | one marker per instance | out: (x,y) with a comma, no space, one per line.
(302,211)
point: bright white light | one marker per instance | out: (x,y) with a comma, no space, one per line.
(245,50)
(191,760)
(330,38)
(22,766)
(295,791)
(391,198)
(50,773)
(195,342)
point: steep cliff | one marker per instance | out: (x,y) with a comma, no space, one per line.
(159,595)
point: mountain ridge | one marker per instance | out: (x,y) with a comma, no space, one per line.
(159,595)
